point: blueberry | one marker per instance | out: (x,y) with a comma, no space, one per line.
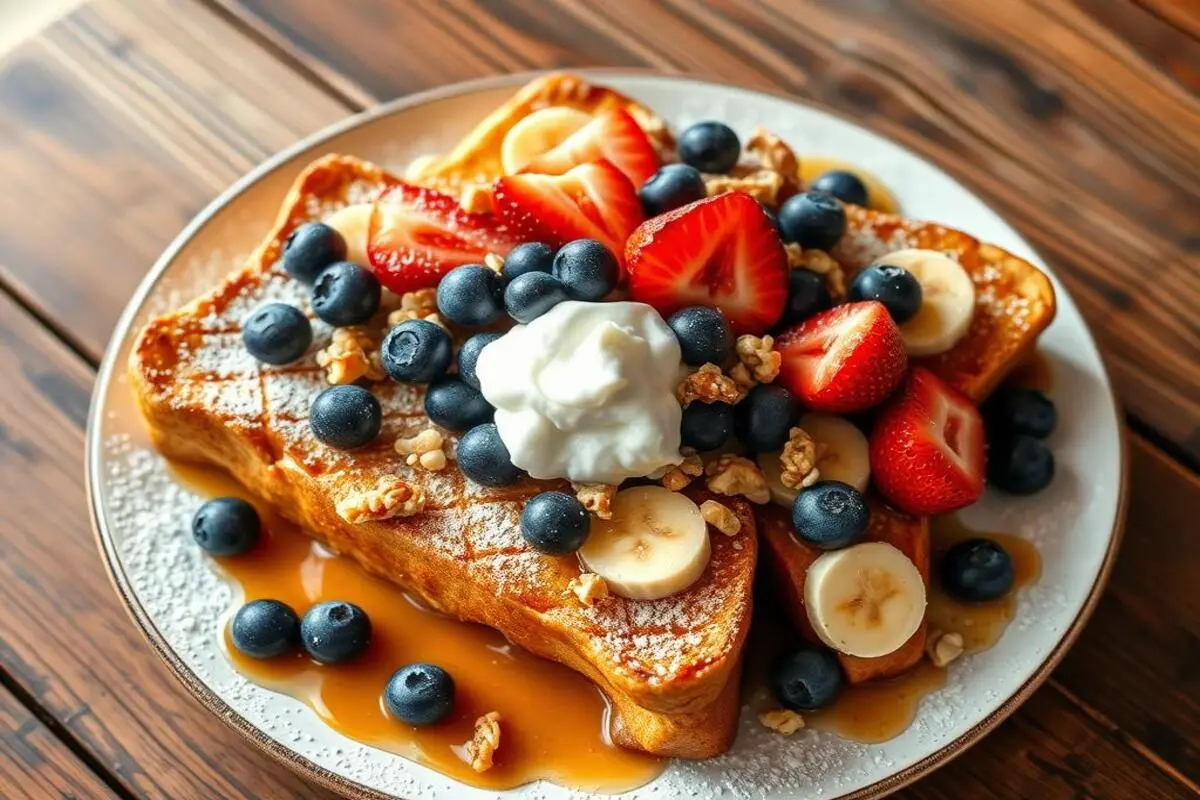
(335,631)
(453,403)
(346,294)
(530,295)
(265,629)
(709,147)
(226,526)
(416,350)
(472,295)
(807,296)
(311,248)
(555,523)
(468,356)
(806,679)
(483,458)
(764,417)
(420,694)
(830,515)
(895,287)
(703,334)
(1016,409)
(673,186)
(587,269)
(706,426)
(976,570)
(345,417)
(1019,464)
(812,219)
(845,186)
(276,333)
(528,257)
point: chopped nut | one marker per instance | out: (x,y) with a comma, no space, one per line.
(720,517)
(733,475)
(588,587)
(392,497)
(679,477)
(782,720)
(434,460)
(821,263)
(493,262)
(942,648)
(761,184)
(346,358)
(758,357)
(773,153)
(412,459)
(485,742)
(798,461)
(426,441)
(596,497)
(708,384)
(419,304)
(477,198)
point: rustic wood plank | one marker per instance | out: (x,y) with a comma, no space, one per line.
(120,122)
(35,764)
(72,647)
(1183,14)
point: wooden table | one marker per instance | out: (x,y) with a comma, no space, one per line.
(1079,121)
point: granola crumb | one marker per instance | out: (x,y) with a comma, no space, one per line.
(596,497)
(943,648)
(734,475)
(773,153)
(348,357)
(798,461)
(761,184)
(485,742)
(709,385)
(782,720)
(588,587)
(758,357)
(678,477)
(390,498)
(477,198)
(493,262)
(721,517)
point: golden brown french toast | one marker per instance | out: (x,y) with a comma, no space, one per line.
(670,666)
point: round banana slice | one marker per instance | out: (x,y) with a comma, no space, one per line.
(352,222)
(538,133)
(947,304)
(655,545)
(866,600)
(842,455)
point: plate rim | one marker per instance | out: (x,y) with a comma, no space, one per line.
(304,766)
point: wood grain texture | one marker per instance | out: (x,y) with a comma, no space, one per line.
(72,647)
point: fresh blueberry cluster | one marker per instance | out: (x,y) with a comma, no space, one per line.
(1018,421)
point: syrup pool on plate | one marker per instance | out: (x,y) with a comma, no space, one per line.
(879,197)
(553,721)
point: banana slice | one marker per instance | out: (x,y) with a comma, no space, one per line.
(538,133)
(947,305)
(842,455)
(655,545)
(866,600)
(352,222)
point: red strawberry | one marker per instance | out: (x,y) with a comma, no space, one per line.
(721,252)
(417,235)
(613,136)
(927,449)
(590,201)
(846,359)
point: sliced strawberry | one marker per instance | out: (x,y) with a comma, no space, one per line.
(721,252)
(927,448)
(590,201)
(843,360)
(417,235)
(613,136)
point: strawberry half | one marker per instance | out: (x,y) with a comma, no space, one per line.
(613,136)
(590,201)
(843,360)
(927,448)
(721,252)
(417,235)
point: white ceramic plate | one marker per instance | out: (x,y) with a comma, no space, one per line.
(141,513)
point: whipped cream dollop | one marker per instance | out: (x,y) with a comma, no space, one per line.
(586,392)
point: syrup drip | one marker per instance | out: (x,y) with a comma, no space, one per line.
(879,197)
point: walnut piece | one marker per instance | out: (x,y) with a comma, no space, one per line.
(773,153)
(782,720)
(348,357)
(734,475)
(588,587)
(493,262)
(761,184)
(477,198)
(721,517)
(708,384)
(426,449)
(758,357)
(390,498)
(485,742)
(798,461)
(596,497)
(419,304)
(942,648)
(821,263)
(679,477)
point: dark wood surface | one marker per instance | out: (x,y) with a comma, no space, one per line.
(1079,121)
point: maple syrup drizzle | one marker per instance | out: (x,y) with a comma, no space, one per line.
(879,197)
(553,722)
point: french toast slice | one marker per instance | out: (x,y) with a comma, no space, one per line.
(670,667)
